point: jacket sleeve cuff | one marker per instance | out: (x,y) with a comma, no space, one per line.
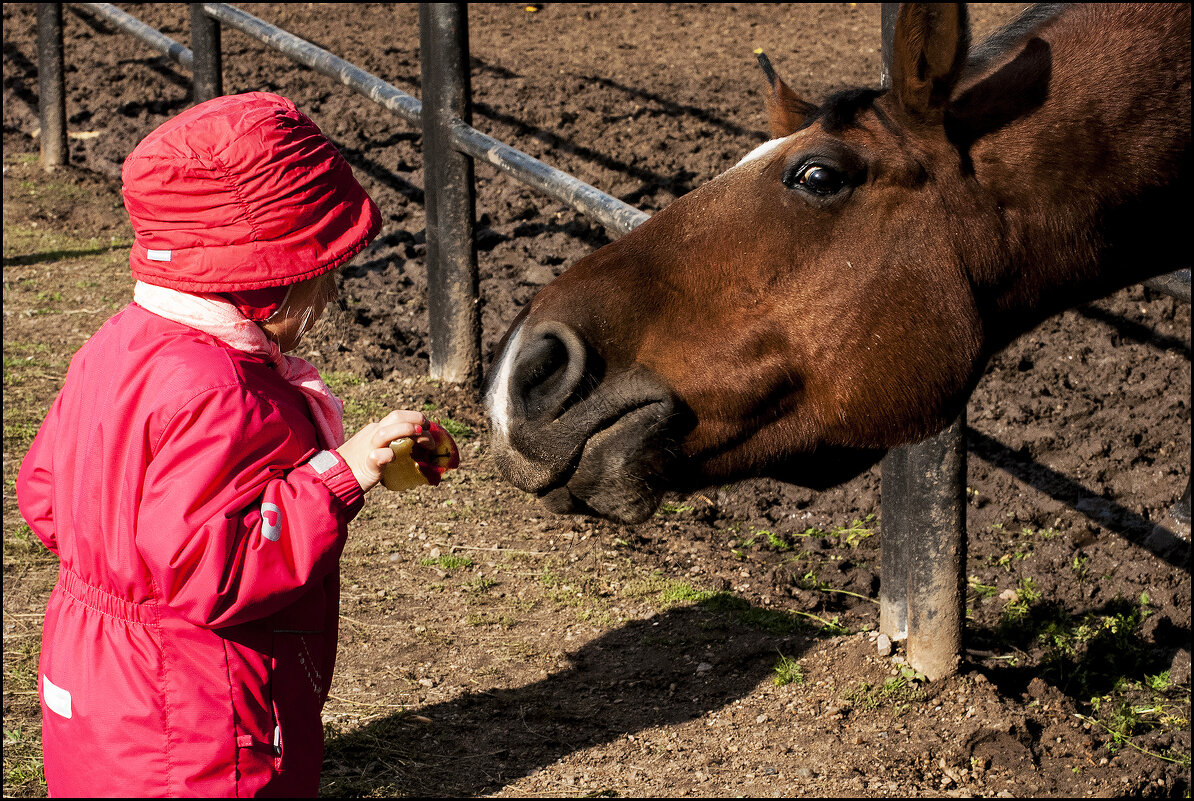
(335,473)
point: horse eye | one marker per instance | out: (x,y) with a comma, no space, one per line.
(820,180)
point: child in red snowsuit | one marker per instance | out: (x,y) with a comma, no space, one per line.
(194,480)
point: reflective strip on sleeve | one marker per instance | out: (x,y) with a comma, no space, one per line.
(56,698)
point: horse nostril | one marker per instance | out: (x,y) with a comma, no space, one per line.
(547,372)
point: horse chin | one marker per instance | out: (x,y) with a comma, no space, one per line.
(619,473)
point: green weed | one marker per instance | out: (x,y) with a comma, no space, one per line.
(674,509)
(775,541)
(1026,595)
(851,536)
(980,589)
(490,619)
(787,671)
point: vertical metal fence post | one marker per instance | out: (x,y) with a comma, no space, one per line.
(207,68)
(922,597)
(452,295)
(924,549)
(51,88)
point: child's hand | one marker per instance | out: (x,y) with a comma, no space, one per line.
(369,449)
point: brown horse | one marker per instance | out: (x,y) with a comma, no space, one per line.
(840,290)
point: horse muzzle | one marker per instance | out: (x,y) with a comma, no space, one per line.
(584,438)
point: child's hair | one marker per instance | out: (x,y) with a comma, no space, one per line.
(306,300)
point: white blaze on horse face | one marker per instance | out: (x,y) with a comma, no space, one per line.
(499,393)
(762,151)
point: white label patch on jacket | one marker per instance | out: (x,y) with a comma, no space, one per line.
(56,698)
(323,462)
(271,522)
(157,255)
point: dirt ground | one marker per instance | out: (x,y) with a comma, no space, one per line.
(727,646)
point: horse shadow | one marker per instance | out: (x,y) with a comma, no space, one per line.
(669,669)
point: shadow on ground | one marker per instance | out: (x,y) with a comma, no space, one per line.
(669,669)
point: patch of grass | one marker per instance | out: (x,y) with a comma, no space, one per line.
(17,368)
(371,759)
(896,693)
(26,244)
(340,380)
(491,619)
(479,585)
(459,431)
(359,411)
(597,617)
(664,593)
(23,772)
(447,561)
(773,621)
(19,432)
(667,593)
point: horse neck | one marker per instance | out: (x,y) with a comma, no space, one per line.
(1089,187)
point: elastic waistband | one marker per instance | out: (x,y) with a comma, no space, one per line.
(103,601)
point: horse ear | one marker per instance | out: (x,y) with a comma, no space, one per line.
(929,51)
(785,110)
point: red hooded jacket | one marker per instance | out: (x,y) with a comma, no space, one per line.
(190,639)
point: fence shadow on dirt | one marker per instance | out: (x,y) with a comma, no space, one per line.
(1130,329)
(669,669)
(1159,540)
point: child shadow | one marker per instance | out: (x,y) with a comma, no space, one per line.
(666,670)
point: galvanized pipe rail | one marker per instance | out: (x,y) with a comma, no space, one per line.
(923,485)
(135,27)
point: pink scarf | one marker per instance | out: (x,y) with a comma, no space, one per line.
(214,315)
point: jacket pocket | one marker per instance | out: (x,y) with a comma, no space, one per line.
(298,687)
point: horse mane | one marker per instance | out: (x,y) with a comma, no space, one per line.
(999,44)
(841,110)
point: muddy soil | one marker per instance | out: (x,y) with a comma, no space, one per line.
(727,646)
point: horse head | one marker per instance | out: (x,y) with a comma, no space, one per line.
(838,291)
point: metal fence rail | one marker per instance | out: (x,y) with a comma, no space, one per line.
(455,338)
(923,485)
(135,27)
